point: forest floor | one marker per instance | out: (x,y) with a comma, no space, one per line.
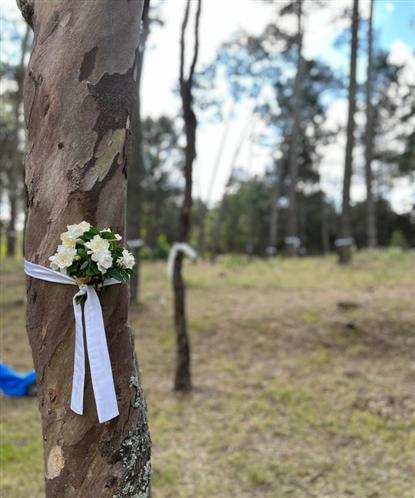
(304,380)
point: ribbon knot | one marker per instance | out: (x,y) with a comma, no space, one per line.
(96,344)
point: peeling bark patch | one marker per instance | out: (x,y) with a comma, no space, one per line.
(56,462)
(88,64)
(113,95)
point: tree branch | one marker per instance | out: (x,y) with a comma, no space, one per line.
(182,42)
(196,52)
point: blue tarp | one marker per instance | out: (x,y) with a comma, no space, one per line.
(13,384)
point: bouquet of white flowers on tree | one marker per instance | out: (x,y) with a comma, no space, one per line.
(91,256)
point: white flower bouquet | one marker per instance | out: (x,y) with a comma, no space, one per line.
(91,256)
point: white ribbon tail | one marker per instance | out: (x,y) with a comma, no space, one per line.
(175,249)
(99,359)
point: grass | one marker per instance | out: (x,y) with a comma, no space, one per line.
(295,396)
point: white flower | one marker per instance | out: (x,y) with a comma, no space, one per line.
(103,260)
(68,240)
(97,245)
(127,260)
(63,258)
(76,231)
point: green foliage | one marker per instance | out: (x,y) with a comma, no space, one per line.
(398,239)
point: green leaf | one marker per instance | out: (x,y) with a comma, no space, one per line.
(107,235)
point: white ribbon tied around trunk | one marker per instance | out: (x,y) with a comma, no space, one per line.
(96,345)
(174,250)
(347,241)
(134,243)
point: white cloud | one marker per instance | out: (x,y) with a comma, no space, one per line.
(389,7)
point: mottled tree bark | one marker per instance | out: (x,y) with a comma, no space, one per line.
(292,219)
(78,101)
(371,229)
(345,251)
(136,162)
(183,380)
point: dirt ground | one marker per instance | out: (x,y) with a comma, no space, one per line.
(304,379)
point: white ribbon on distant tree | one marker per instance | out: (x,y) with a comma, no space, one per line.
(96,344)
(271,251)
(135,243)
(292,240)
(347,241)
(174,250)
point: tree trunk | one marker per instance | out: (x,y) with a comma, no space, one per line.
(136,162)
(273,227)
(182,380)
(371,231)
(292,220)
(325,239)
(345,251)
(16,170)
(78,100)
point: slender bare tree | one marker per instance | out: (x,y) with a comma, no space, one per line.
(344,250)
(136,163)
(183,380)
(371,229)
(15,172)
(292,219)
(78,100)
(274,218)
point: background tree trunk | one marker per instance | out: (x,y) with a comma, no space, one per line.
(292,220)
(371,230)
(325,239)
(78,101)
(16,171)
(273,227)
(136,167)
(182,380)
(345,251)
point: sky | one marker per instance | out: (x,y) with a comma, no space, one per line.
(394,22)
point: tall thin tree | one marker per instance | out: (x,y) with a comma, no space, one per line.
(78,101)
(371,229)
(345,245)
(15,172)
(183,380)
(292,219)
(274,218)
(136,166)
